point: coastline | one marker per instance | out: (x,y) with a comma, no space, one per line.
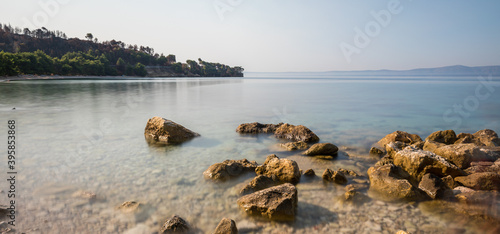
(59,77)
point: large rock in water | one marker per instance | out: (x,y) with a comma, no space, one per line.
(446,137)
(161,130)
(462,154)
(229,168)
(481,181)
(322,149)
(391,183)
(487,137)
(296,133)
(260,182)
(285,170)
(418,162)
(257,128)
(401,137)
(226,226)
(276,203)
(175,225)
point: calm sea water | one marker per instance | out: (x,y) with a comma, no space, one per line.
(87,134)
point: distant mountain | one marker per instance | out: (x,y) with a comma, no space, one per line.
(457,70)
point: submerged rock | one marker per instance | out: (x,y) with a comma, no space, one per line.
(129,206)
(391,182)
(401,137)
(334,176)
(226,226)
(352,195)
(175,225)
(276,203)
(309,173)
(322,149)
(260,182)
(376,151)
(446,137)
(164,131)
(255,128)
(481,181)
(285,170)
(296,133)
(298,145)
(228,169)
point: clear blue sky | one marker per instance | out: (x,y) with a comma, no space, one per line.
(283,35)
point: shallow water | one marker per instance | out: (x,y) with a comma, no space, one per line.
(88,135)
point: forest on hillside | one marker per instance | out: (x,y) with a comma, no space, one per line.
(45,52)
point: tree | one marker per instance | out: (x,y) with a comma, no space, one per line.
(121,65)
(89,36)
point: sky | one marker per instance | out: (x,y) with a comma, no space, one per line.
(284,35)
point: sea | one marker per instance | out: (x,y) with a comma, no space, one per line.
(81,136)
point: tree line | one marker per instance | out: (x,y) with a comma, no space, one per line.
(45,52)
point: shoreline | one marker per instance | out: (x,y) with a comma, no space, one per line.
(58,77)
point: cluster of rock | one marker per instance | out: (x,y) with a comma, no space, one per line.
(444,166)
(281,130)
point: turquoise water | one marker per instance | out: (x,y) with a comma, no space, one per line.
(87,134)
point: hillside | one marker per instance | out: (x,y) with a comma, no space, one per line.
(45,52)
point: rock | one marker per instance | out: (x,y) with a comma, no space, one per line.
(297,145)
(285,170)
(478,197)
(84,194)
(322,149)
(491,153)
(480,181)
(390,181)
(3,211)
(175,225)
(464,138)
(376,151)
(296,133)
(129,206)
(309,173)
(259,183)
(487,137)
(399,136)
(432,145)
(352,195)
(255,128)
(334,176)
(434,186)
(276,203)
(462,189)
(449,182)
(228,169)
(446,137)
(226,226)
(477,167)
(164,131)
(348,172)
(394,147)
(418,162)
(462,154)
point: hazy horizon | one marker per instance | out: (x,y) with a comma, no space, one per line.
(284,36)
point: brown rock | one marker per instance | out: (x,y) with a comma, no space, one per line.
(462,154)
(298,145)
(322,149)
(175,225)
(327,174)
(296,133)
(334,176)
(226,226)
(309,173)
(480,181)
(285,170)
(260,182)
(275,203)
(399,136)
(446,137)
(129,206)
(352,195)
(464,138)
(434,186)
(348,172)
(418,162)
(480,197)
(228,169)
(449,182)
(255,128)
(487,137)
(164,131)
(432,145)
(390,182)
(376,151)
(394,147)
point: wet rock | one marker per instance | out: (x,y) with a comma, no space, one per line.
(334,176)
(432,145)
(390,182)
(84,194)
(446,137)
(481,181)
(352,195)
(309,173)
(461,154)
(327,174)
(384,161)
(322,149)
(259,183)
(480,197)
(164,131)
(401,137)
(348,172)
(434,186)
(394,147)
(418,162)
(276,203)
(297,145)
(487,137)
(3,211)
(376,151)
(449,182)
(477,167)
(285,170)
(296,133)
(228,169)
(465,138)
(129,207)
(175,225)
(226,226)
(255,128)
